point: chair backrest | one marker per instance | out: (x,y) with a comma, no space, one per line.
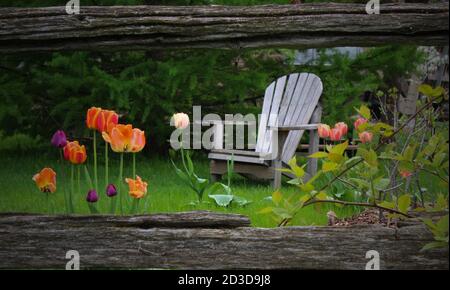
(288,101)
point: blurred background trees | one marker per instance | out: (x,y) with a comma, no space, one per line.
(40,93)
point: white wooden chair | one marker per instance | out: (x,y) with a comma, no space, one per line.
(294,99)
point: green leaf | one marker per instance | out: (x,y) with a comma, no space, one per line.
(339,149)
(222,199)
(381,183)
(404,202)
(265,210)
(364,111)
(431,92)
(442,224)
(441,203)
(277,197)
(329,166)
(321,196)
(370,156)
(307,187)
(434,245)
(294,181)
(387,204)
(240,200)
(282,213)
(319,154)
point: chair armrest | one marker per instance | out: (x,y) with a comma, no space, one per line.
(294,128)
(223,122)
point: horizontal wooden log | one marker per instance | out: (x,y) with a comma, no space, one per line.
(158,241)
(160,27)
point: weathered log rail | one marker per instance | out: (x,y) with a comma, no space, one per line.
(205,240)
(162,27)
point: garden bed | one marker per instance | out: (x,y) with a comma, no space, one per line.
(206,240)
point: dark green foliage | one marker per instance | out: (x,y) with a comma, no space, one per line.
(41,93)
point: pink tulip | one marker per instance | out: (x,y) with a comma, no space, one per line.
(365,137)
(335,134)
(342,127)
(180,120)
(359,122)
(324,131)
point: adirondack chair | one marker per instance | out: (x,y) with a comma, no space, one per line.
(294,100)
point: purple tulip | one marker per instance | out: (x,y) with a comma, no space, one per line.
(59,139)
(92,196)
(111,190)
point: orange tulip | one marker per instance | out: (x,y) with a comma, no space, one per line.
(365,137)
(324,130)
(137,187)
(119,137)
(75,153)
(92,116)
(101,120)
(46,180)
(107,120)
(137,140)
(123,138)
(335,134)
(342,127)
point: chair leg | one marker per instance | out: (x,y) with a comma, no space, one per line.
(314,142)
(276,182)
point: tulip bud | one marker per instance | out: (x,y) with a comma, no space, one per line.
(92,196)
(59,139)
(405,173)
(180,120)
(365,137)
(359,122)
(323,130)
(111,190)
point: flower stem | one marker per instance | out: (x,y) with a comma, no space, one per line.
(66,200)
(78,180)
(135,206)
(134,165)
(72,188)
(119,183)
(48,202)
(95,161)
(106,165)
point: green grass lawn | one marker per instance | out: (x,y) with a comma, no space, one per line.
(166,193)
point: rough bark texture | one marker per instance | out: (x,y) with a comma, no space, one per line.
(204,240)
(159,27)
